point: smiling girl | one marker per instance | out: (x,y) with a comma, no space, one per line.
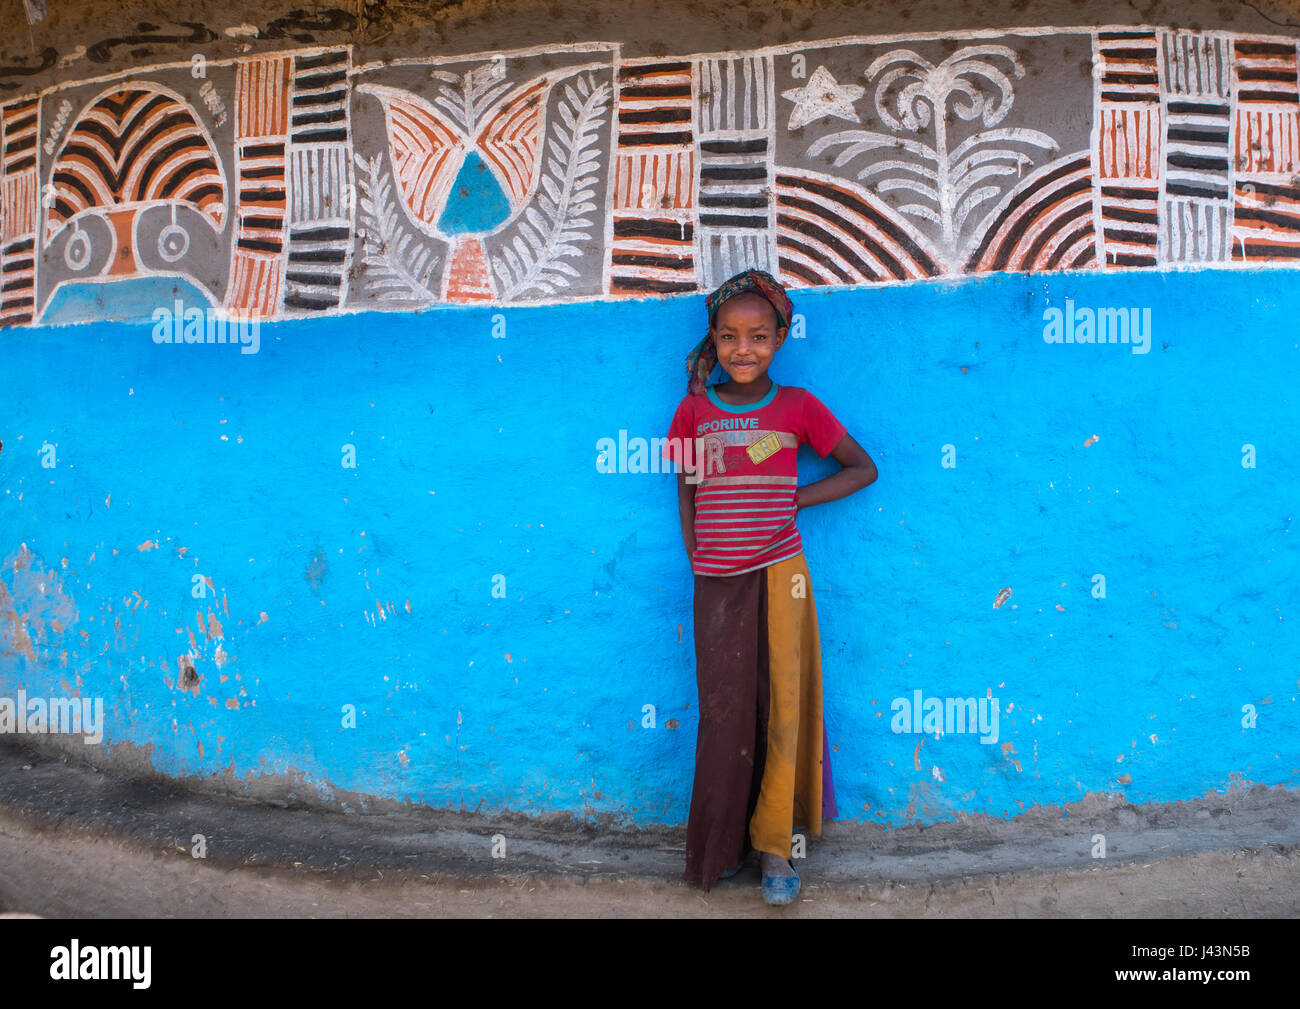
(762,763)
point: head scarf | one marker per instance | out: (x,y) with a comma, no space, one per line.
(702,359)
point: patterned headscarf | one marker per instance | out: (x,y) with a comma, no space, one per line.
(701,360)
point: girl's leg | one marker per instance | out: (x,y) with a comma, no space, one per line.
(728,633)
(791,792)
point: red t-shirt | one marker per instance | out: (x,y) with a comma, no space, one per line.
(743,457)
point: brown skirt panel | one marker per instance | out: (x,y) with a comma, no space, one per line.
(759,747)
(731,649)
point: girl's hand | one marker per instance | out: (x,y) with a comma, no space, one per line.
(858,470)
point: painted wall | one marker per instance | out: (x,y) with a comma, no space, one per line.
(384,500)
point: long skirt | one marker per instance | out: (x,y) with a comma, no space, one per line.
(762,761)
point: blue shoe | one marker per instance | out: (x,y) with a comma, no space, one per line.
(728,873)
(779,890)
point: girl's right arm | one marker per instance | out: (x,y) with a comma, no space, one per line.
(686,508)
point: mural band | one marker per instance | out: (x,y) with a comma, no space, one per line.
(301,183)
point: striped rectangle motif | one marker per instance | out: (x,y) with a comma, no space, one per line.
(18,212)
(320,184)
(1127,162)
(653,239)
(1266,221)
(261,132)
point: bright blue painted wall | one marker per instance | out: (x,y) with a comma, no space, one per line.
(476,457)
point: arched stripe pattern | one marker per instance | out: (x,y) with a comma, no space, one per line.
(135,145)
(829,231)
(1045,223)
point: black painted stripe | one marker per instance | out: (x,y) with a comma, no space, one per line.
(262,151)
(631,227)
(641,116)
(1288,222)
(1126,77)
(1130,237)
(1130,259)
(1127,193)
(1267,250)
(328,98)
(655,91)
(1128,54)
(646,69)
(311,304)
(1127,97)
(733,200)
(260,245)
(730,173)
(1202,191)
(652,285)
(1199,109)
(313,279)
(1177,159)
(653,139)
(310,118)
(1205,134)
(724,221)
(333,256)
(1281,97)
(757,146)
(322,235)
(320,136)
(665,262)
(1264,49)
(1273,189)
(323,80)
(1129,215)
(1265,74)
(301,63)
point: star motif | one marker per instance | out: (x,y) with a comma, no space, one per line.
(821,96)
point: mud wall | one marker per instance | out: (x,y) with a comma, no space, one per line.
(331,358)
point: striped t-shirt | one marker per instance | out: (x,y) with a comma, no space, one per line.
(746,498)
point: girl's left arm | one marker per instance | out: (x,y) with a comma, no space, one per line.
(857,471)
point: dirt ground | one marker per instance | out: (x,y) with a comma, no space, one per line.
(78,842)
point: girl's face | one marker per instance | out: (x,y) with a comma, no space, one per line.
(747,332)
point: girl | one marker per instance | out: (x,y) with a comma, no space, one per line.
(762,764)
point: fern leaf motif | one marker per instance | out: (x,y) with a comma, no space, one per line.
(550,231)
(399,267)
